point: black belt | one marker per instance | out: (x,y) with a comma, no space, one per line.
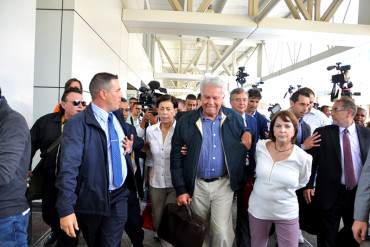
(209,180)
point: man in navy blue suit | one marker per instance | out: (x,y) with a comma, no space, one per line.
(239,101)
(254,97)
(95,176)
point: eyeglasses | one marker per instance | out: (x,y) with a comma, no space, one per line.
(337,110)
(77,102)
(238,100)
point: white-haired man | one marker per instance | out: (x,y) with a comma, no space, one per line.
(214,166)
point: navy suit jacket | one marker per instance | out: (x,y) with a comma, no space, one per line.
(306,132)
(252,125)
(262,125)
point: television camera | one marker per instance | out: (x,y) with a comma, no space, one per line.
(291,89)
(342,81)
(241,75)
(148,96)
(255,85)
(273,109)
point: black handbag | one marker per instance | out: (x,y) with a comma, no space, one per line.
(181,227)
(35,186)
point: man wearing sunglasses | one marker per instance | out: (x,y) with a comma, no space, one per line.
(46,135)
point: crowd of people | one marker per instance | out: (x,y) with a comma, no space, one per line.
(100,160)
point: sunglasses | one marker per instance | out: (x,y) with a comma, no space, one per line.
(77,102)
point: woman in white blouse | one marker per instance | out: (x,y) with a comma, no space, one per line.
(159,137)
(281,169)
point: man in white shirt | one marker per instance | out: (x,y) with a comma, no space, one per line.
(314,118)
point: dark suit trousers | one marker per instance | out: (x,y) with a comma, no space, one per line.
(106,231)
(134,222)
(330,219)
(242,231)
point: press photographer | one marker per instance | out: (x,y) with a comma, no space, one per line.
(147,99)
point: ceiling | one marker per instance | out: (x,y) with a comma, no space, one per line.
(182,55)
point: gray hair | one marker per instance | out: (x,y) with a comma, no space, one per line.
(238,90)
(348,103)
(101,81)
(211,81)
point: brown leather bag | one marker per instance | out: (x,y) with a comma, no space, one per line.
(181,227)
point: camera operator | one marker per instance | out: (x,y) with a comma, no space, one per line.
(150,117)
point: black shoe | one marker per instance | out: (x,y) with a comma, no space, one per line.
(51,239)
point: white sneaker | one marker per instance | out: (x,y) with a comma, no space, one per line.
(300,237)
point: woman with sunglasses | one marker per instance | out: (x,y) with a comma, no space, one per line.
(281,169)
(158,138)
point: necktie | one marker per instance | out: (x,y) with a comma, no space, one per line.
(115,153)
(349,174)
(299,132)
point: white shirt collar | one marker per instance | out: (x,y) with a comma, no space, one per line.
(351,129)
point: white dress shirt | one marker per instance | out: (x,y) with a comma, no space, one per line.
(316,119)
(158,158)
(355,151)
(273,196)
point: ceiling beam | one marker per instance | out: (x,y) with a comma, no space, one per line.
(180,56)
(178,77)
(317,10)
(227,54)
(218,54)
(308,61)
(189,6)
(245,54)
(175,5)
(310,8)
(147,3)
(207,55)
(253,7)
(259,60)
(241,26)
(196,57)
(204,5)
(292,9)
(264,12)
(303,9)
(161,47)
(219,6)
(330,11)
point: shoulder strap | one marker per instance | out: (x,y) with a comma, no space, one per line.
(53,145)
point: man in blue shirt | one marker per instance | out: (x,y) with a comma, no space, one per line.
(214,166)
(95,175)
(254,97)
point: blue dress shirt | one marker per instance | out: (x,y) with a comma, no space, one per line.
(211,159)
(102,117)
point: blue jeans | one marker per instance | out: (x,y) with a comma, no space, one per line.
(13,230)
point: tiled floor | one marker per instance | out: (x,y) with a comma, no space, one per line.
(40,230)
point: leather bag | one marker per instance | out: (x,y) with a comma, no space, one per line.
(181,227)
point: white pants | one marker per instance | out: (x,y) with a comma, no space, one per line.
(213,202)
